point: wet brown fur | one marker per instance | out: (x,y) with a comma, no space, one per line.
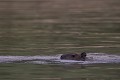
(74,56)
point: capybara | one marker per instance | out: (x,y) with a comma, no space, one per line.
(74,56)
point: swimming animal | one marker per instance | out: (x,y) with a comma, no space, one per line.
(74,56)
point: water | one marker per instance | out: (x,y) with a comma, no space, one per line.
(92,58)
(34,33)
(97,66)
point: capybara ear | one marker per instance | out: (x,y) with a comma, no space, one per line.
(83,55)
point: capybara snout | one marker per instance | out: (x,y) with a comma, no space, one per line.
(74,56)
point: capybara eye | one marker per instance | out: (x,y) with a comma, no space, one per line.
(73,55)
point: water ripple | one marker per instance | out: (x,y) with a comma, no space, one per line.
(92,58)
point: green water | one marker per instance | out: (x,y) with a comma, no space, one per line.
(59,72)
(50,27)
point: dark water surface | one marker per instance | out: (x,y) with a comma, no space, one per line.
(33,34)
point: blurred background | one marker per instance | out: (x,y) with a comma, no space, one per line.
(45,27)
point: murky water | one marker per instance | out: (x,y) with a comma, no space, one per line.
(34,33)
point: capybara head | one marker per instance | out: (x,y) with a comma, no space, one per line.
(74,56)
(83,56)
